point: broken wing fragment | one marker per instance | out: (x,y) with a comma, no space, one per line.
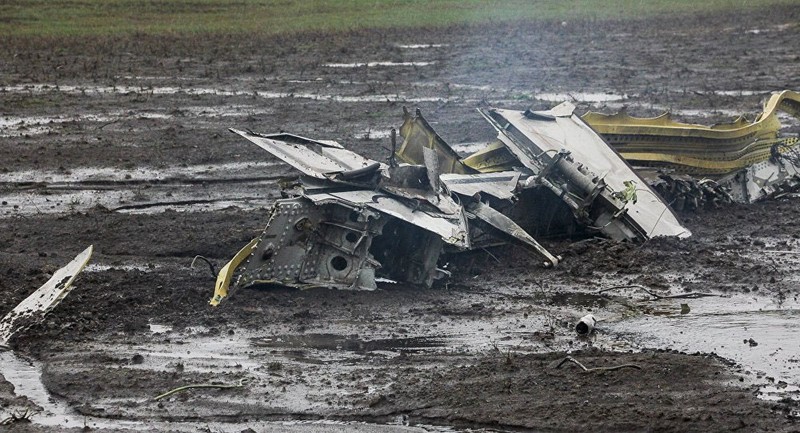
(33,308)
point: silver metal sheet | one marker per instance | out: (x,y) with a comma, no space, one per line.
(500,184)
(569,132)
(309,162)
(451,228)
(499,222)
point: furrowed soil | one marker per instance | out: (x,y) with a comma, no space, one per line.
(122,143)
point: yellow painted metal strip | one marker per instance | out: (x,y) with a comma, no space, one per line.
(226,273)
(418,134)
(697,149)
(766,123)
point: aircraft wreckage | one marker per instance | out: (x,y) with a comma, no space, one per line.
(347,220)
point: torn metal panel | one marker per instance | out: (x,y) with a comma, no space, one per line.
(506,229)
(432,168)
(451,228)
(319,159)
(420,140)
(337,240)
(500,185)
(414,182)
(33,308)
(418,135)
(494,157)
(566,156)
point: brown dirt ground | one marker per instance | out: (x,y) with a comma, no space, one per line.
(665,62)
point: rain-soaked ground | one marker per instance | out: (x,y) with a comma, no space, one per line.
(132,155)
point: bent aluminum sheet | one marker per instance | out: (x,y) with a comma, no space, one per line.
(33,308)
(452,229)
(329,158)
(565,130)
(500,185)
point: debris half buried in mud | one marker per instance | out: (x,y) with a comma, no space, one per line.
(33,308)
(740,161)
(347,219)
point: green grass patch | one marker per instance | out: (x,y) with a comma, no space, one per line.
(116,17)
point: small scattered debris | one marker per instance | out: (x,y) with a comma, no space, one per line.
(194,386)
(585,325)
(751,342)
(208,262)
(656,296)
(585,369)
(17,417)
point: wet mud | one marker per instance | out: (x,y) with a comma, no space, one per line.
(122,143)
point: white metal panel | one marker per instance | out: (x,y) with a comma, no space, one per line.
(500,184)
(569,132)
(309,162)
(451,228)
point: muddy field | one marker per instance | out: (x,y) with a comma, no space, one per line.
(122,143)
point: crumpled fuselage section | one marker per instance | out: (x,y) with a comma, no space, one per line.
(346,220)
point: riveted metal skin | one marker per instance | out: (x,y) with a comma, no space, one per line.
(306,245)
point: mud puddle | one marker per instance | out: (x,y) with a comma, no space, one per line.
(26,378)
(580,97)
(15,126)
(756,333)
(92,90)
(198,173)
(39,125)
(142,190)
(102,267)
(353,343)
